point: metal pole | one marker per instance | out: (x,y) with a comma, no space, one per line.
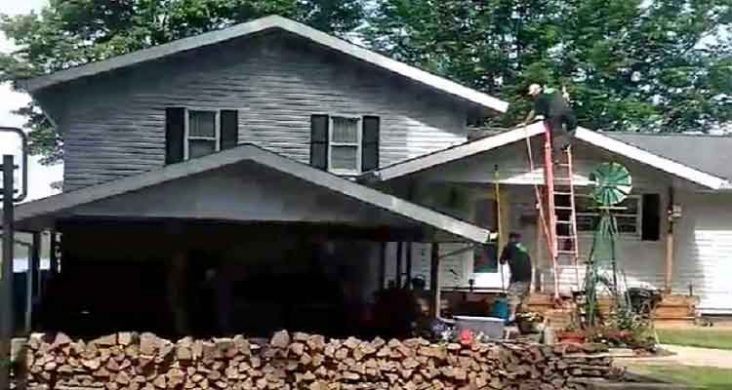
(6,282)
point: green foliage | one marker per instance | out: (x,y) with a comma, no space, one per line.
(631,65)
(67,33)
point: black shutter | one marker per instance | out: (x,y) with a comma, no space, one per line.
(651,218)
(229,128)
(319,141)
(370,147)
(174,133)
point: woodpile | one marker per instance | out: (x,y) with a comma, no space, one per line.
(302,361)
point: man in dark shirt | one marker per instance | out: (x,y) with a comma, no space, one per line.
(519,263)
(558,115)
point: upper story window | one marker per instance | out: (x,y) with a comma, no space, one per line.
(344,144)
(192,133)
(202,134)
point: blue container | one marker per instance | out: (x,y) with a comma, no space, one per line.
(500,308)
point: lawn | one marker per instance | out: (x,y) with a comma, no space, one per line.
(700,377)
(697,337)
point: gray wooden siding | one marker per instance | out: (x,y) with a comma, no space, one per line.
(243,192)
(113,124)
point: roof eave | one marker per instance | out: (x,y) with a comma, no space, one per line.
(599,140)
(258,25)
(60,203)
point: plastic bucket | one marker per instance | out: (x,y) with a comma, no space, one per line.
(500,308)
(490,327)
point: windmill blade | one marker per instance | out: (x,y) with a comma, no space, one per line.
(612,184)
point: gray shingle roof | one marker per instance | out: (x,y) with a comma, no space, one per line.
(708,153)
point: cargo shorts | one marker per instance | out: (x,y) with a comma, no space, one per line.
(518,292)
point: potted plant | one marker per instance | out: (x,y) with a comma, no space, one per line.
(571,335)
(527,322)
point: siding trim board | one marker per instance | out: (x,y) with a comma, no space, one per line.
(256,26)
(58,204)
(591,137)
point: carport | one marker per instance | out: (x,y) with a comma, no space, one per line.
(206,245)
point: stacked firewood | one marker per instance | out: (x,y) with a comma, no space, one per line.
(302,361)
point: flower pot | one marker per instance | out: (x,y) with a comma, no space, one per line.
(571,337)
(526,326)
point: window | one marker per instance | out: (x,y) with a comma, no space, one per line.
(485,257)
(202,133)
(628,214)
(345,145)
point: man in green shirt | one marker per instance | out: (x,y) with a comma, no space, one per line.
(519,263)
(558,115)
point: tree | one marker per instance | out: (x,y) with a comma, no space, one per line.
(68,33)
(632,65)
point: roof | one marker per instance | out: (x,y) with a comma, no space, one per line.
(257,26)
(247,152)
(708,153)
(658,159)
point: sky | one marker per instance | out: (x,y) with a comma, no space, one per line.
(41,177)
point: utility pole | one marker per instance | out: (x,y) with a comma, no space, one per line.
(9,197)
(6,282)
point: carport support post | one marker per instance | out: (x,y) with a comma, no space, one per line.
(669,242)
(32,289)
(398,275)
(6,282)
(382,265)
(435,279)
(409,266)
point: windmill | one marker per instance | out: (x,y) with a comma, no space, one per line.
(611,185)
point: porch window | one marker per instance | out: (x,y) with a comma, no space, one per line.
(202,133)
(345,145)
(485,257)
(628,215)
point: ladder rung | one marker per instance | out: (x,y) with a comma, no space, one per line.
(563,207)
(567,252)
(563,193)
(564,222)
(566,237)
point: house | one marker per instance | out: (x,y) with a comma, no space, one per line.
(270,175)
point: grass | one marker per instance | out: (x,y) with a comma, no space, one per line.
(701,377)
(697,337)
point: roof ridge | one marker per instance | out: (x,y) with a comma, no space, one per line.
(258,25)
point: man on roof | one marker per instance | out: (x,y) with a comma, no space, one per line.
(553,105)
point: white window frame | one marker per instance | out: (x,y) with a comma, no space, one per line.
(619,213)
(358,144)
(186,132)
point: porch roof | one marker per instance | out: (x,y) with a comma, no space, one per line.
(597,139)
(237,171)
